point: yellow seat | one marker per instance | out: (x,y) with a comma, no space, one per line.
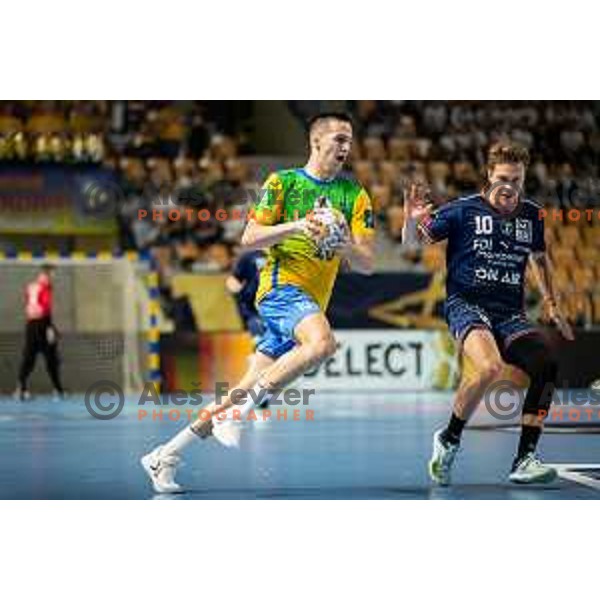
(563,257)
(10,124)
(380,196)
(364,172)
(433,257)
(399,149)
(374,148)
(389,172)
(569,236)
(584,279)
(596,308)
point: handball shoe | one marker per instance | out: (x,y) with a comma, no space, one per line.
(441,459)
(161,468)
(530,470)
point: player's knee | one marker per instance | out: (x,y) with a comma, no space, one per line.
(490,369)
(323,347)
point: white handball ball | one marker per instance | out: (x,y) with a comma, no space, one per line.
(334,231)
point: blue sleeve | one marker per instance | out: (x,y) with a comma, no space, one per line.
(438,225)
(242,269)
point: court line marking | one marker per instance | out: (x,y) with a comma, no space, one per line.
(565,471)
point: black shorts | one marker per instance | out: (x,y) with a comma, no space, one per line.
(40,335)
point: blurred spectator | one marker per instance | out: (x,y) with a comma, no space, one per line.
(189,156)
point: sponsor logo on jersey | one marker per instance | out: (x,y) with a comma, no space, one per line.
(524,231)
(508,228)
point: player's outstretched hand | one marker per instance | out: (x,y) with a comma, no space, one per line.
(556,315)
(415,199)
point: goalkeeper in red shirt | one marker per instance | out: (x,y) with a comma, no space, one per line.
(40,333)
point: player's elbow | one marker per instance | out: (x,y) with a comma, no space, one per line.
(248,237)
(233,285)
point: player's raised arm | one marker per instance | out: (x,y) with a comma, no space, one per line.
(415,211)
(359,252)
(541,268)
(422,223)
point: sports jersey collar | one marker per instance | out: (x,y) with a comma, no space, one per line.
(314,179)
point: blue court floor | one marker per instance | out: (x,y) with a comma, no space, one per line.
(359,446)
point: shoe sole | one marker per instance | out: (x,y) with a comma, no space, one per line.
(547,478)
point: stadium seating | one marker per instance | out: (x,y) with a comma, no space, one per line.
(195,145)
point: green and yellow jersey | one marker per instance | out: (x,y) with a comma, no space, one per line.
(289,195)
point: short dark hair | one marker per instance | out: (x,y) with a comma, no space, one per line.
(337,116)
(47,268)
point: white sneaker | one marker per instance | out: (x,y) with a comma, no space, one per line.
(531,470)
(161,469)
(227,431)
(441,460)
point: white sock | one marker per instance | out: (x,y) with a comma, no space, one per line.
(180,441)
(259,394)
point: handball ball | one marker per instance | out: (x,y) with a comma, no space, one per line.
(333,230)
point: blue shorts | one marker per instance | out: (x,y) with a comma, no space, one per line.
(281,310)
(463,316)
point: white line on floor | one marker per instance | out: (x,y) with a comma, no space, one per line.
(572,472)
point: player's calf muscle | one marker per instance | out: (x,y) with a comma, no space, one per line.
(468,396)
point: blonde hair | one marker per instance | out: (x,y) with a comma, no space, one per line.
(504,152)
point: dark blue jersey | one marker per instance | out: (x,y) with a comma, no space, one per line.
(487,253)
(246,271)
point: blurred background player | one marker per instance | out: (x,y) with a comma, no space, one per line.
(305,248)
(492,237)
(243,285)
(40,333)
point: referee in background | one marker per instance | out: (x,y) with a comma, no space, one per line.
(40,333)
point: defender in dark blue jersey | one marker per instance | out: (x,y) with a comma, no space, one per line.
(492,238)
(243,284)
